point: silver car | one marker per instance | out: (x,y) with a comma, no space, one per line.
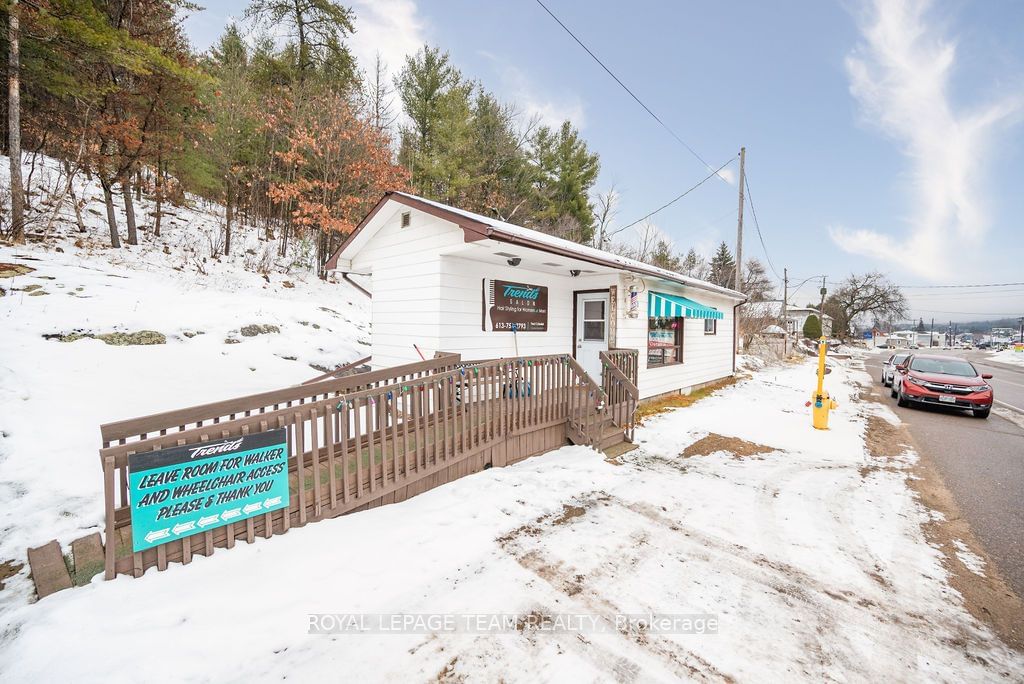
(889,369)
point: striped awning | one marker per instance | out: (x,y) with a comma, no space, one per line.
(661,305)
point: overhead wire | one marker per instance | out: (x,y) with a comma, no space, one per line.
(668,204)
(757,225)
(628,90)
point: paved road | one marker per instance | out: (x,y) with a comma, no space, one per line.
(981,462)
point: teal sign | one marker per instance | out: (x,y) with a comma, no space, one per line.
(184,490)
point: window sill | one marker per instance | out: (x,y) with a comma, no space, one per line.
(664,365)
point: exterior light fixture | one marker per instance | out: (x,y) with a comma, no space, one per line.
(574,272)
(514,261)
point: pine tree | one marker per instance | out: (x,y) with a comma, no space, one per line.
(567,170)
(920,325)
(319,28)
(723,267)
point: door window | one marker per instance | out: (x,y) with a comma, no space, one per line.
(594,321)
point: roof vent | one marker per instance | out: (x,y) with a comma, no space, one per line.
(406,218)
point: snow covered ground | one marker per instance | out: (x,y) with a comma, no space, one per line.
(54,395)
(808,555)
(1008,356)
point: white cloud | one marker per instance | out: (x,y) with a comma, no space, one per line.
(517,87)
(900,74)
(394,28)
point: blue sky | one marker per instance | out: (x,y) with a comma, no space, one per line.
(886,136)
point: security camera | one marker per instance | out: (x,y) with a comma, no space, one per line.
(574,272)
(514,261)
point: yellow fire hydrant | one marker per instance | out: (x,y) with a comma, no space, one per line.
(822,403)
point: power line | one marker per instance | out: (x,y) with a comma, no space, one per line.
(968,313)
(958,286)
(626,88)
(713,173)
(757,225)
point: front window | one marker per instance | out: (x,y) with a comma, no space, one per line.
(944,366)
(710,326)
(664,341)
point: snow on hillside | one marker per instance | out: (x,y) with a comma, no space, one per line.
(807,552)
(55,394)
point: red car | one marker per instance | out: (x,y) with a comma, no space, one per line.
(944,381)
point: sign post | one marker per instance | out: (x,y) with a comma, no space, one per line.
(183,490)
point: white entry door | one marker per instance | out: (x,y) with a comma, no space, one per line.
(591,331)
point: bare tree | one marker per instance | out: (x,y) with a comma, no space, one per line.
(14,124)
(378,93)
(870,295)
(607,209)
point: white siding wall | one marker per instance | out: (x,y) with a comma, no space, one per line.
(705,357)
(462,308)
(422,296)
(406,283)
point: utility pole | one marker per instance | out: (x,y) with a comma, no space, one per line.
(821,309)
(739,223)
(931,334)
(1021,321)
(785,299)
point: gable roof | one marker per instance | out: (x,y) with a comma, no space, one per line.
(479,227)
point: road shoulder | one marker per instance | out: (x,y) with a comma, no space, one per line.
(986,596)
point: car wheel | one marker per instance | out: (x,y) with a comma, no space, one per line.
(892,392)
(982,413)
(901,400)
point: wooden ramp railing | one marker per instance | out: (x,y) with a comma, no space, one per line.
(619,369)
(361,441)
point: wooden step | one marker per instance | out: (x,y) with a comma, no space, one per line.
(49,572)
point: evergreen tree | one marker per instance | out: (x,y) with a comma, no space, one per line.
(723,267)
(318,29)
(435,147)
(662,257)
(566,172)
(812,327)
(920,325)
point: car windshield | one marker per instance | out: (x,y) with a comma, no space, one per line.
(946,366)
(899,358)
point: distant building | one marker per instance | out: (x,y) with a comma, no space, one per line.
(796,316)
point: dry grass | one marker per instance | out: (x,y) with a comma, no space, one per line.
(715,443)
(656,406)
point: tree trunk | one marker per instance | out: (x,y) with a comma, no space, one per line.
(159,192)
(129,210)
(229,214)
(108,200)
(14,125)
(138,185)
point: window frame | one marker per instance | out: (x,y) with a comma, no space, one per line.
(678,345)
(714,326)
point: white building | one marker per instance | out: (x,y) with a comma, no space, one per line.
(796,316)
(449,280)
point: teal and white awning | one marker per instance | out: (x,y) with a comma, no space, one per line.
(661,305)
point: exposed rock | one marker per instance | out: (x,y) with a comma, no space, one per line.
(38,293)
(116,339)
(192,333)
(12,270)
(31,288)
(254,329)
(289,284)
(232,340)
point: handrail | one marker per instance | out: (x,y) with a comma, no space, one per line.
(338,371)
(258,403)
(620,376)
(197,434)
